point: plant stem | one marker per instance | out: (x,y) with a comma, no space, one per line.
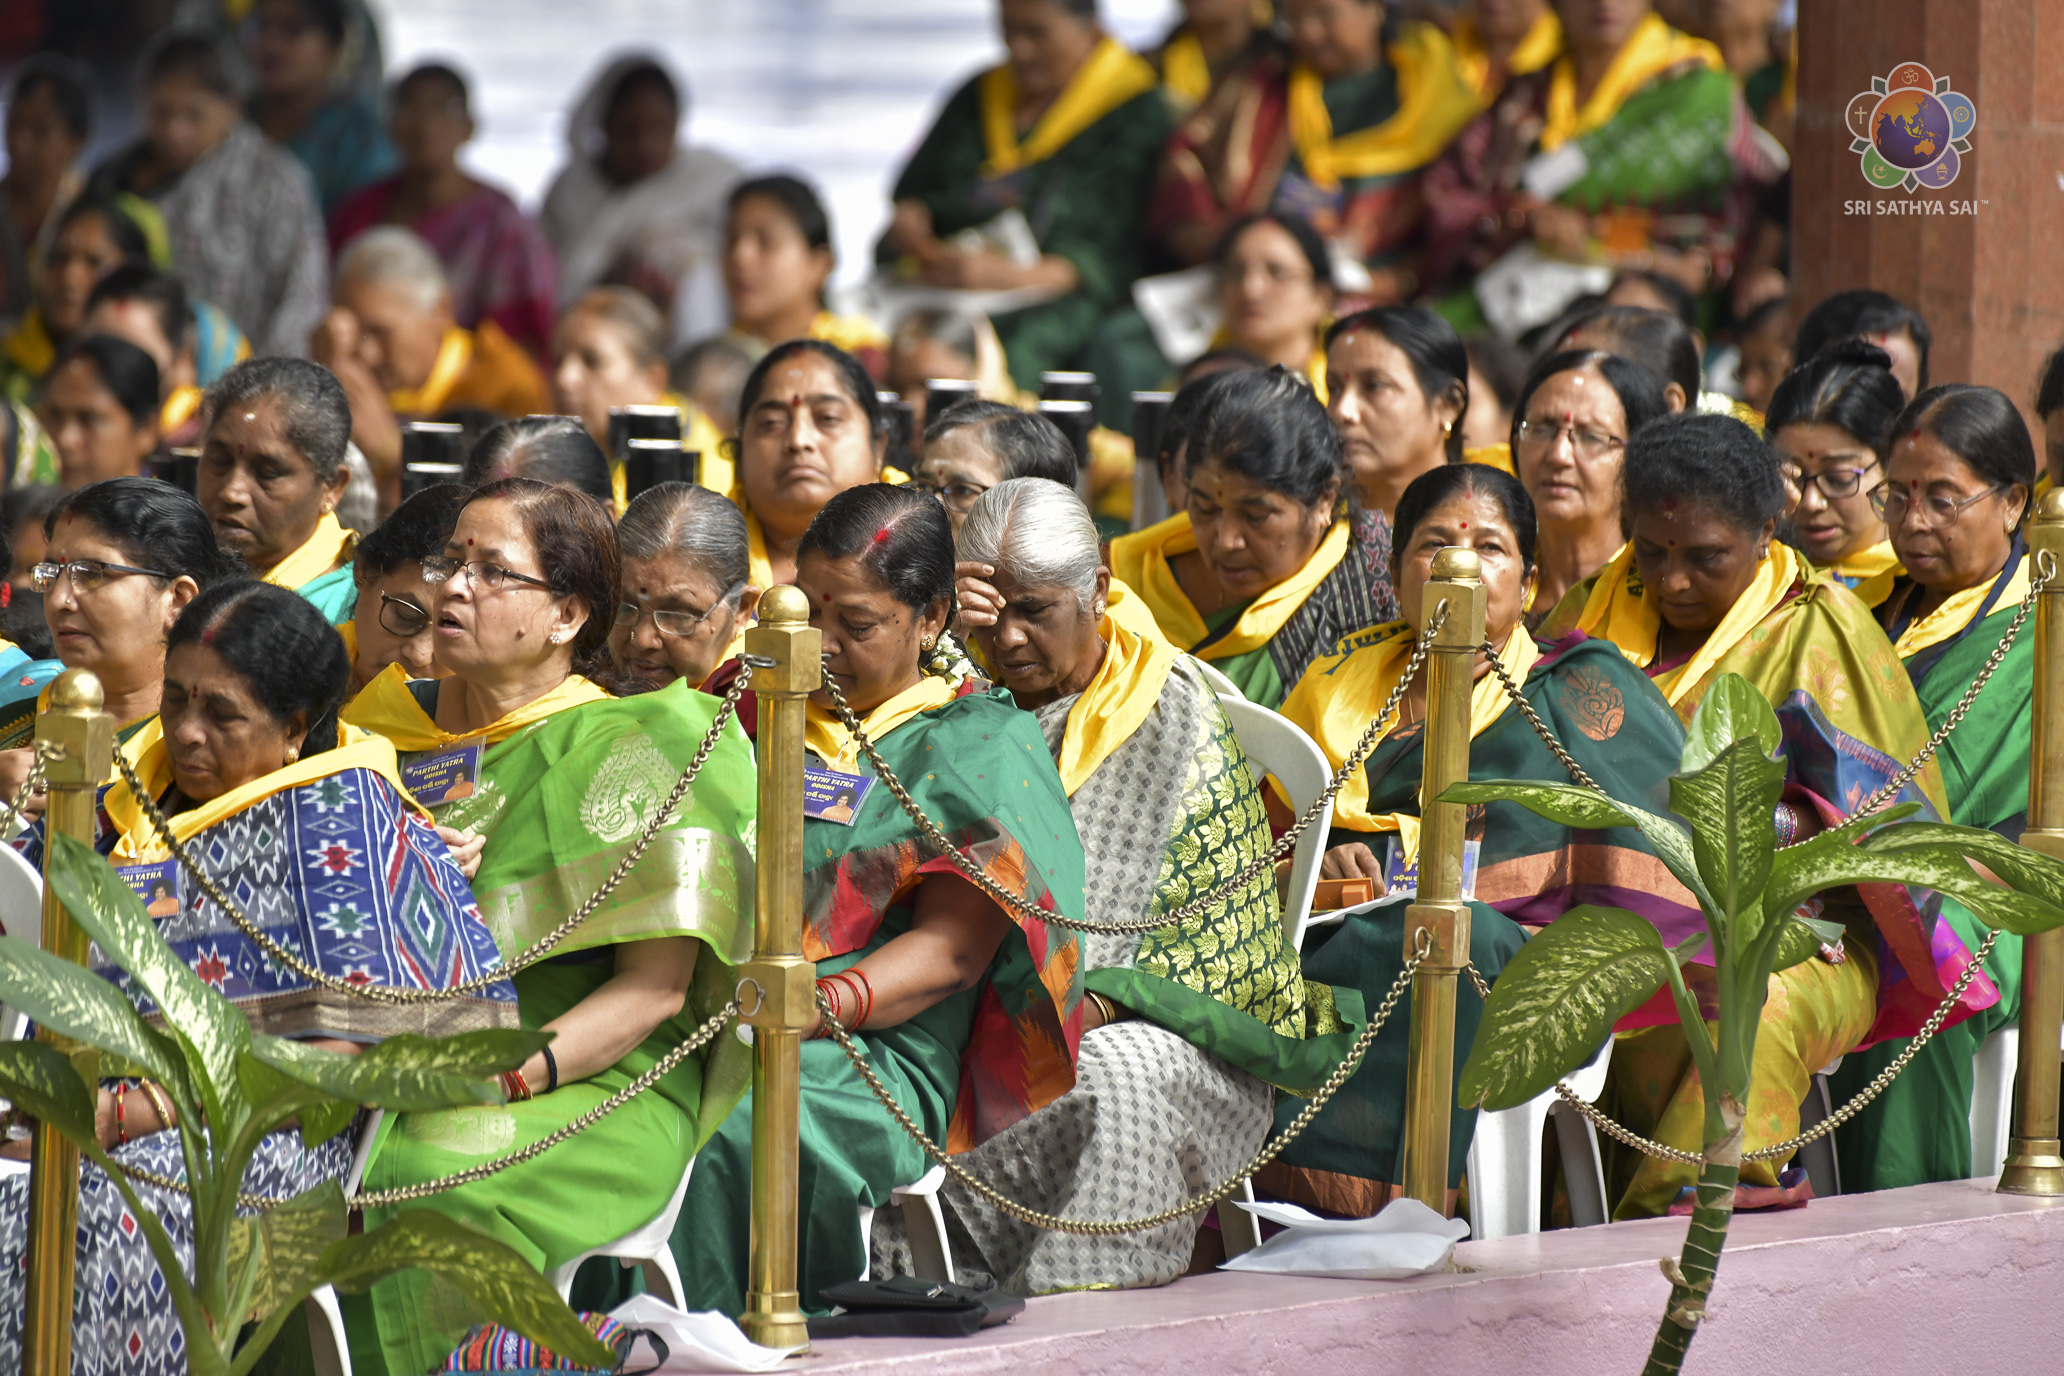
(1691,1277)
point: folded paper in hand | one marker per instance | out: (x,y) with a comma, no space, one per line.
(1405,1239)
(695,1342)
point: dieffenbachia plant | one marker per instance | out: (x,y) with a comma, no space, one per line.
(1562,993)
(231,1086)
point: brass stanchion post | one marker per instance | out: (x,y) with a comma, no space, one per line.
(81,740)
(2034,1165)
(786,983)
(1440,911)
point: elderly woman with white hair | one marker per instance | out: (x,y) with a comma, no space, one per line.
(392,340)
(1185,1027)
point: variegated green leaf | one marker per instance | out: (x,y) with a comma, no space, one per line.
(74,1002)
(408,1073)
(1730,803)
(1801,871)
(1733,709)
(1582,807)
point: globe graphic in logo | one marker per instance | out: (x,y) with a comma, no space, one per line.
(1910,129)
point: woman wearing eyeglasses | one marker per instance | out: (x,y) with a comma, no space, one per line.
(1958,472)
(974,445)
(1570,427)
(391,623)
(687,591)
(566,780)
(1829,419)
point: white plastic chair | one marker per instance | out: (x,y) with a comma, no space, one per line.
(1220,684)
(1823,1164)
(1275,745)
(21,914)
(649,1247)
(331,1350)
(924,1223)
(1992,1099)
(1505,1158)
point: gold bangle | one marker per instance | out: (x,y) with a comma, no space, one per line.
(1105,1008)
(161,1104)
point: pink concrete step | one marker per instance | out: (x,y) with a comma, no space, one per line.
(1938,1280)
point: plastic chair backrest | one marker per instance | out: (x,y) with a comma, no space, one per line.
(1275,745)
(21,914)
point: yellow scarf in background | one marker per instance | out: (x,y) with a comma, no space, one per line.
(1341,693)
(1956,612)
(328,548)
(1145,564)
(1434,102)
(179,408)
(1123,692)
(1541,46)
(827,737)
(387,708)
(1653,48)
(1184,68)
(1875,570)
(1619,610)
(1110,76)
(454,355)
(29,347)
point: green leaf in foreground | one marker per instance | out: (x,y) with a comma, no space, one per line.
(40,1081)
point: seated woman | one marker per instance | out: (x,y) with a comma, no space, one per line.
(94,236)
(1528,871)
(99,407)
(271,471)
(560,781)
(976,445)
(1831,418)
(809,427)
(1570,428)
(969,1012)
(1397,386)
(1260,574)
(1959,465)
(687,590)
(244,226)
(49,121)
(391,620)
(945,342)
(191,342)
(1062,139)
(496,262)
(250,758)
(610,351)
(1338,130)
(1703,589)
(1210,1012)
(304,101)
(1662,169)
(1658,341)
(778,259)
(548,449)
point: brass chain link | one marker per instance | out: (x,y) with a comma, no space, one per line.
(529,956)
(1087,1228)
(1576,771)
(42,754)
(1011,903)
(384,1199)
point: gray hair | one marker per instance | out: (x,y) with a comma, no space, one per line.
(313,409)
(695,523)
(1034,532)
(391,254)
(358,508)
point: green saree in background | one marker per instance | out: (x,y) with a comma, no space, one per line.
(965,1068)
(1917,1131)
(560,801)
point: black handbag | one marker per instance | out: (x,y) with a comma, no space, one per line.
(906,1307)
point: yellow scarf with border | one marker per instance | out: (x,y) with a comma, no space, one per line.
(1875,570)
(1434,102)
(388,709)
(827,737)
(1340,693)
(1109,77)
(1118,699)
(1652,49)
(139,842)
(1956,612)
(1144,561)
(1619,610)
(328,548)
(1541,46)
(454,356)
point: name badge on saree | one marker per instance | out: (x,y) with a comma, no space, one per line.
(830,796)
(445,776)
(159,886)
(1400,878)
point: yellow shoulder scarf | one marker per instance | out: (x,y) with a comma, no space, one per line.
(329,548)
(1875,570)
(1619,610)
(849,332)
(139,842)
(756,548)
(1498,456)
(1144,561)
(1542,44)
(826,736)
(1184,68)
(1434,102)
(1653,49)
(29,347)
(1340,693)
(386,708)
(179,408)
(1110,76)
(1126,686)
(454,355)
(1956,612)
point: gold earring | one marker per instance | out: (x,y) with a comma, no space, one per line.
(293,753)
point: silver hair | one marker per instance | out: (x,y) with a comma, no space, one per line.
(1037,533)
(389,253)
(694,522)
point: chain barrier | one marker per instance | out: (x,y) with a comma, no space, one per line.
(1011,903)
(384,1199)
(42,754)
(529,956)
(1085,1228)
